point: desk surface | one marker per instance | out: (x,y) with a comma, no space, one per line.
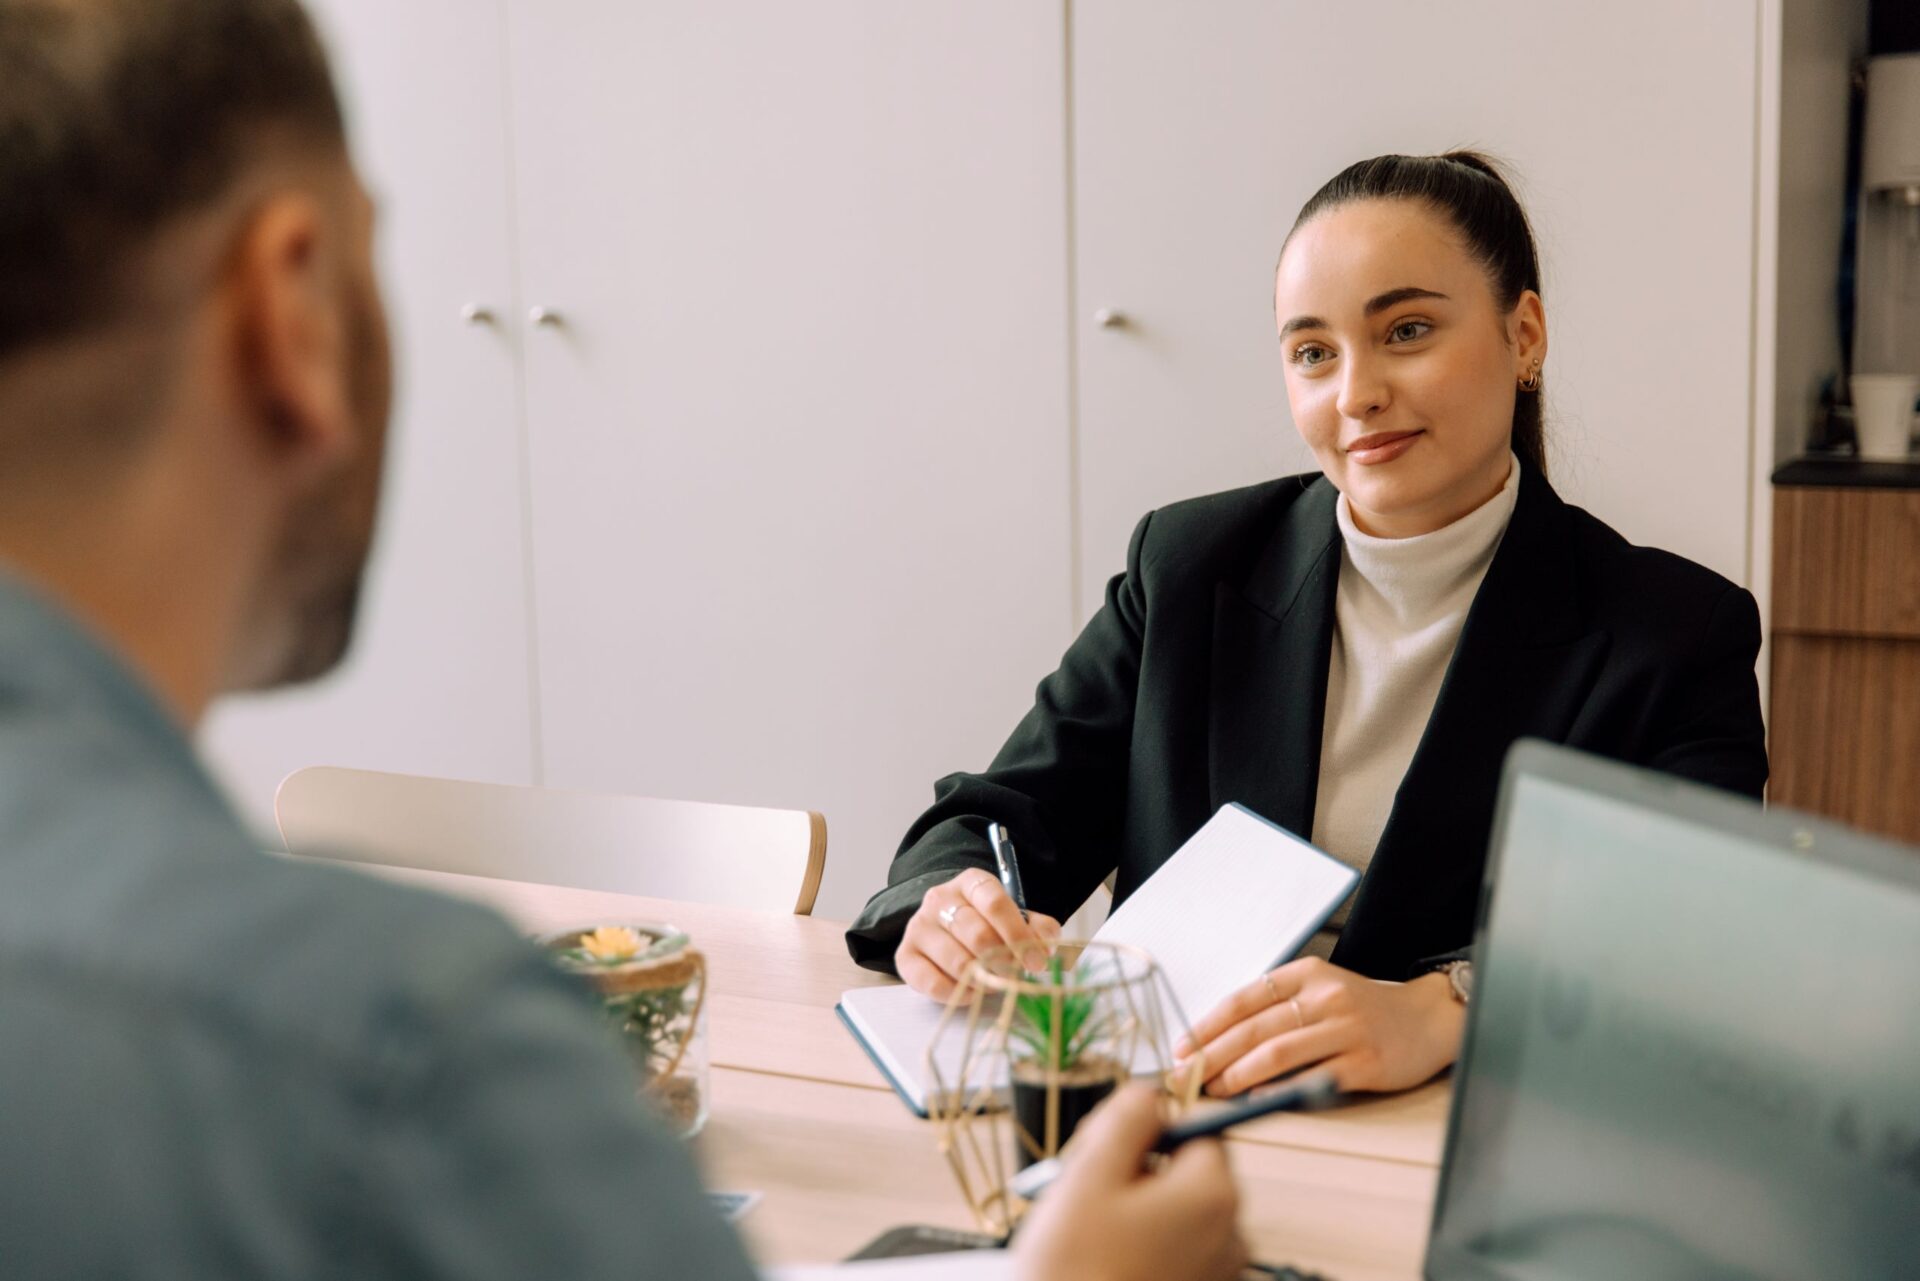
(1347,1191)
(1351,1218)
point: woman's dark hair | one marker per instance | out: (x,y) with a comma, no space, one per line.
(1468,189)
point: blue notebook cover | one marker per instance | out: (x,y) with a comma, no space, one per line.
(891,1079)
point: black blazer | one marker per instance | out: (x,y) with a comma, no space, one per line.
(1203,680)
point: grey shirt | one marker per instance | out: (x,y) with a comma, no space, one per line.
(214,1063)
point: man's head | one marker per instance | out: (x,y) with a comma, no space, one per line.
(192,345)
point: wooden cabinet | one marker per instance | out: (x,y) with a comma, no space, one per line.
(1846,653)
(798,442)
(437,681)
(732,456)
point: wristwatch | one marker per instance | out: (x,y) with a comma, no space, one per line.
(1460,979)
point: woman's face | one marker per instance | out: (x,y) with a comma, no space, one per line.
(1401,368)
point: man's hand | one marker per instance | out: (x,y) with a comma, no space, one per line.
(1371,1035)
(960,919)
(1106,1218)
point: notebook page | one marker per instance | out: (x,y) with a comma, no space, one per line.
(898,1024)
(1237,898)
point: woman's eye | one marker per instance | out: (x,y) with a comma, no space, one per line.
(1310,354)
(1409,331)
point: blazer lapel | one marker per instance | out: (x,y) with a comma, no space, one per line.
(1523,667)
(1272,636)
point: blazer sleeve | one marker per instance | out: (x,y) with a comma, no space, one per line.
(1705,725)
(1058,785)
(1708,728)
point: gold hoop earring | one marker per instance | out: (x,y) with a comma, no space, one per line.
(1532,381)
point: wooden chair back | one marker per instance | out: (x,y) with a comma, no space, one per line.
(737,855)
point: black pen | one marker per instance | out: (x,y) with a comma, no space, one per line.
(1307,1093)
(1009,868)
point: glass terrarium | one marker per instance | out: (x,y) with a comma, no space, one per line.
(653,987)
(1022,1056)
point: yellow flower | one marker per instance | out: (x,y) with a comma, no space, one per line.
(610,943)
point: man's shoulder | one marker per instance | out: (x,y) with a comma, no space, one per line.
(334,956)
(128,881)
(317,964)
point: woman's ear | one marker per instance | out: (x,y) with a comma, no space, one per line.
(1527,334)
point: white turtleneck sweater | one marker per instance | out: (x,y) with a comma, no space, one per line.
(1398,611)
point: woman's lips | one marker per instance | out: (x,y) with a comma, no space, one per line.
(1382,447)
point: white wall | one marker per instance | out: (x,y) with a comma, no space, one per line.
(1630,130)
(799,453)
(437,681)
(536,614)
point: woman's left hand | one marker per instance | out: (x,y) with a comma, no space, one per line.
(1371,1035)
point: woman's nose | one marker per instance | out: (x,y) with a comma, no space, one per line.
(1363,392)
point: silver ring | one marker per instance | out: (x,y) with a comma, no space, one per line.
(1298,1017)
(947,915)
(1273,996)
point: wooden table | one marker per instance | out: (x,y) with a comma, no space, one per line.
(801,1114)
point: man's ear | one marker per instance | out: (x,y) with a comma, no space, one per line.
(290,334)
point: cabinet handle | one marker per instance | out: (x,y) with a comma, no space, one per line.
(546,317)
(1110,318)
(478,314)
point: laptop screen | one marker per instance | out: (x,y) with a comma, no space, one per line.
(1695,1042)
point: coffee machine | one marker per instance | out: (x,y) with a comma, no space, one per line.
(1886,344)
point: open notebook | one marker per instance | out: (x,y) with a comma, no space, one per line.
(1237,899)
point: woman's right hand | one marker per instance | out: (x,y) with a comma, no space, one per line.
(957,921)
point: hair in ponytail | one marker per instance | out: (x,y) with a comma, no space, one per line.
(1469,190)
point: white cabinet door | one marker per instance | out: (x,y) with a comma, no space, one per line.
(1200,131)
(438,681)
(799,445)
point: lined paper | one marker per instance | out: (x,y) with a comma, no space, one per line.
(898,1025)
(1237,899)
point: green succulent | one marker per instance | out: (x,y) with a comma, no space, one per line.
(653,1023)
(1056,1028)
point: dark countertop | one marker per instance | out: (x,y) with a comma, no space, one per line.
(1843,471)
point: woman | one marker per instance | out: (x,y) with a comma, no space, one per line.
(1350,655)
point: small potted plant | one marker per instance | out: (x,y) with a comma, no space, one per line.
(1061,1064)
(1033,1048)
(653,988)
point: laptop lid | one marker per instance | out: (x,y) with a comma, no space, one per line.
(1694,1047)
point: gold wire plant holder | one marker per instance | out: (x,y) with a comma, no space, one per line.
(1020,1057)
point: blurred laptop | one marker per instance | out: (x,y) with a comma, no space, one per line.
(1694,1045)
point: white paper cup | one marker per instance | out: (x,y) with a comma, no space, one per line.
(1883,413)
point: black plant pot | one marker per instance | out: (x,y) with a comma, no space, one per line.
(1077,1098)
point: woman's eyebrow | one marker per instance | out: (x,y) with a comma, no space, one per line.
(1394,297)
(1375,305)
